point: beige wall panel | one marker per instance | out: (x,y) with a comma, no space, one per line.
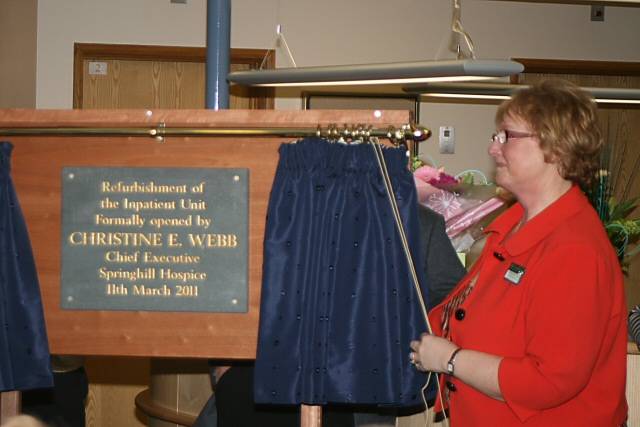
(318,36)
(18,49)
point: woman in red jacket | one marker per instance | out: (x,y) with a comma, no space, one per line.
(535,334)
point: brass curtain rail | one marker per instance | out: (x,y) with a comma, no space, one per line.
(408,132)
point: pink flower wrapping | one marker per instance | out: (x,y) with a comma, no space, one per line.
(459,223)
(461,205)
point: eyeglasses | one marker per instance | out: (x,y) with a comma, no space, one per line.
(505,135)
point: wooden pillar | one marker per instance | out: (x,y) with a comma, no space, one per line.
(10,402)
(310,416)
(178,390)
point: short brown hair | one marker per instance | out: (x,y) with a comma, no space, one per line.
(564,118)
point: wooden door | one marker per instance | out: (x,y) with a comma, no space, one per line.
(127,76)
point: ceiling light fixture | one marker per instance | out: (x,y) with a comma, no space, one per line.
(376,74)
(460,69)
(498,91)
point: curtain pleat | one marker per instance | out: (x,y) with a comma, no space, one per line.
(24,351)
(338,307)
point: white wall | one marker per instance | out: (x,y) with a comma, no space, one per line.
(342,32)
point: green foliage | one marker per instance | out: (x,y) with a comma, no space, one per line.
(623,232)
(416,162)
(467,178)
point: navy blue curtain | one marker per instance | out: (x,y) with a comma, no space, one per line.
(24,352)
(338,307)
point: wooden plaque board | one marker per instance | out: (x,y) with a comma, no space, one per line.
(37,162)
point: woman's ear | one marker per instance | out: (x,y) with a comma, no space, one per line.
(559,167)
(551,158)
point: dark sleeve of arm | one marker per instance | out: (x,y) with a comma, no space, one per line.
(443,269)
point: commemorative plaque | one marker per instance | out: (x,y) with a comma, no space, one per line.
(155,239)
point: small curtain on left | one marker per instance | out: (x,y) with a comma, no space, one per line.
(24,351)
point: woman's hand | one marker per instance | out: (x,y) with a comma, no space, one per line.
(477,369)
(431,353)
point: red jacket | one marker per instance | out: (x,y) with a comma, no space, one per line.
(560,328)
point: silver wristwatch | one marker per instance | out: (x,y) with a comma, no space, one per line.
(451,364)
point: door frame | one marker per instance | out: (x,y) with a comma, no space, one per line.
(570,66)
(264,97)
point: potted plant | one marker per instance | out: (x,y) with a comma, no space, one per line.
(623,231)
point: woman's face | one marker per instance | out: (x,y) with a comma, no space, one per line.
(520,163)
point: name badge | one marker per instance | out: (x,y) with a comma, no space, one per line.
(514,273)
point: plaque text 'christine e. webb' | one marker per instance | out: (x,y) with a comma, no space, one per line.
(159,239)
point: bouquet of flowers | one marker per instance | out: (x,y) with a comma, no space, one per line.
(464,204)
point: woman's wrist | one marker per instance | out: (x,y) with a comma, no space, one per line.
(450,364)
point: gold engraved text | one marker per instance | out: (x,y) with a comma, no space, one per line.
(98,238)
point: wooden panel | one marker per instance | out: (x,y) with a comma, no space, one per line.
(621,130)
(165,334)
(144,84)
(241,97)
(575,67)
(587,80)
(36,170)
(18,118)
(310,416)
(115,382)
